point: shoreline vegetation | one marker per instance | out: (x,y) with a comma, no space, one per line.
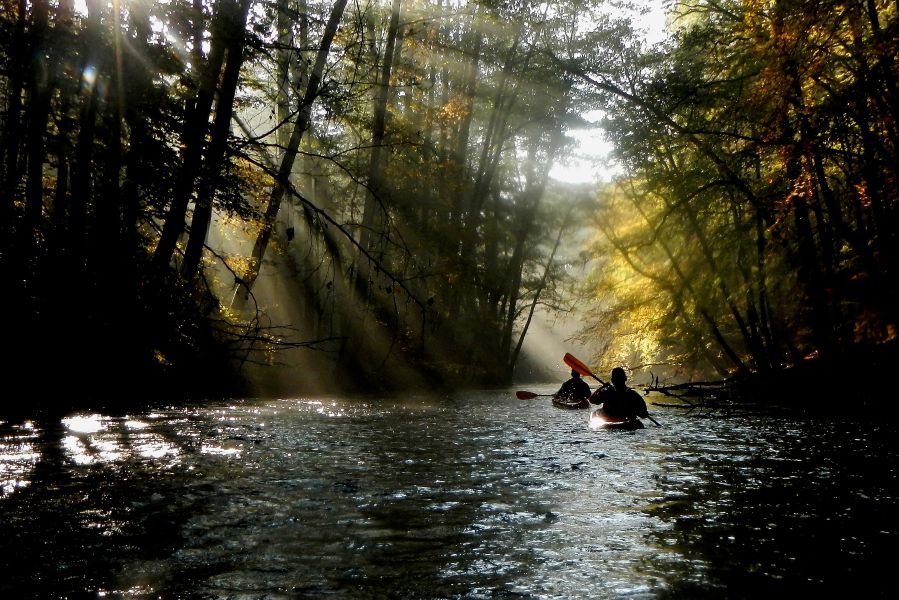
(242,198)
(851,385)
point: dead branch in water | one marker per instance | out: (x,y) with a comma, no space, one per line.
(702,397)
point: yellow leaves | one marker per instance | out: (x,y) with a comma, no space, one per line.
(456,109)
(240,265)
(160,358)
(259,183)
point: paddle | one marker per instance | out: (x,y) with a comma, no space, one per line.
(529,395)
(584,370)
(581,368)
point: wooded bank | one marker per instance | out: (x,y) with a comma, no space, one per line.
(188,189)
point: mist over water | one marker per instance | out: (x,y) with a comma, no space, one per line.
(478,495)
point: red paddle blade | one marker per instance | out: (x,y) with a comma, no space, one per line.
(525,395)
(580,367)
(577,365)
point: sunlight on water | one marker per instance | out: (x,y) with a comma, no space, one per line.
(17,458)
(84,423)
(154,446)
(100,439)
(220,450)
(77,450)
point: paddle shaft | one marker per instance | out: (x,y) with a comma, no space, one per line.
(528,395)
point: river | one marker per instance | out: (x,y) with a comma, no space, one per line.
(478,495)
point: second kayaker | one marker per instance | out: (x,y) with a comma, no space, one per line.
(573,389)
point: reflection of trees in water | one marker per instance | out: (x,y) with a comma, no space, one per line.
(71,525)
(807,511)
(184,503)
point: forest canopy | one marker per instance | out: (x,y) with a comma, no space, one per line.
(756,229)
(192,190)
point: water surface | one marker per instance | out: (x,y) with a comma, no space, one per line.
(480,495)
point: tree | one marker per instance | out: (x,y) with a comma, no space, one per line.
(746,143)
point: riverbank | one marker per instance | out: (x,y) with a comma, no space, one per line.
(855,383)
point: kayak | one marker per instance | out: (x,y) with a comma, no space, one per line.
(600,420)
(570,403)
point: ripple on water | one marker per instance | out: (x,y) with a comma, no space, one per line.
(474,496)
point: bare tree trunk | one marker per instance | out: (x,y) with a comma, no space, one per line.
(38,112)
(459,165)
(233,38)
(64,30)
(84,148)
(136,86)
(284,62)
(374,216)
(302,124)
(516,352)
(192,143)
(9,168)
(107,237)
(533,194)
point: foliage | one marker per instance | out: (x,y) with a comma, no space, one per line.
(139,159)
(757,227)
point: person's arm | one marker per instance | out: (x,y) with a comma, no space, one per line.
(585,390)
(639,404)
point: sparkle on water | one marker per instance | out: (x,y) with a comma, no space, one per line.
(480,495)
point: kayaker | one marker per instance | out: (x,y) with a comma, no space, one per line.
(619,401)
(574,389)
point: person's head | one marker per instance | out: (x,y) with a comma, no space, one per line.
(575,374)
(618,376)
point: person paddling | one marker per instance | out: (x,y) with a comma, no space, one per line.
(573,390)
(619,401)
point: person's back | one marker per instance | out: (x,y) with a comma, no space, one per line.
(620,401)
(574,389)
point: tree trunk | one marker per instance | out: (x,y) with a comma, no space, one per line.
(810,271)
(685,287)
(107,236)
(192,143)
(136,87)
(37,115)
(9,167)
(374,216)
(282,181)
(87,127)
(535,187)
(516,352)
(458,163)
(233,38)
(64,34)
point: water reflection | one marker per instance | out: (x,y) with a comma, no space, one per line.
(478,496)
(767,507)
(18,455)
